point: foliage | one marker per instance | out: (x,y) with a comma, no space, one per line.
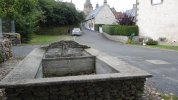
(8,9)
(25,13)
(164,47)
(54,30)
(29,15)
(130,41)
(60,13)
(126,20)
(151,42)
(120,30)
(169,97)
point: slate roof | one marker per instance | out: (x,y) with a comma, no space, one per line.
(94,13)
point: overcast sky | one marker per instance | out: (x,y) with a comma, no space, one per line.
(119,5)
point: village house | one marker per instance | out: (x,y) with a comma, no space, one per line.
(101,15)
(158,19)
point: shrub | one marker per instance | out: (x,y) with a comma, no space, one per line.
(120,30)
(55,30)
(151,42)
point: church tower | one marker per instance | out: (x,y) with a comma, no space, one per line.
(105,2)
(88,7)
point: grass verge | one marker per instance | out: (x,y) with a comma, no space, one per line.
(164,47)
(47,39)
(169,97)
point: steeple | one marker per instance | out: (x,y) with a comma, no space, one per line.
(97,5)
(87,2)
(88,7)
(105,1)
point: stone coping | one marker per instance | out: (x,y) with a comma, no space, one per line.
(24,74)
(65,58)
(72,79)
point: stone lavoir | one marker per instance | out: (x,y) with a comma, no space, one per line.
(66,70)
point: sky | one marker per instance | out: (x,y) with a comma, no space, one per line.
(119,5)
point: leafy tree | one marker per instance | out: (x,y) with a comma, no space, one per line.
(59,13)
(7,9)
(28,17)
(30,14)
(25,13)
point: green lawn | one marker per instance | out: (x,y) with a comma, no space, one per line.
(164,47)
(47,39)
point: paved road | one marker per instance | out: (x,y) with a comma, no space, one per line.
(161,63)
(22,51)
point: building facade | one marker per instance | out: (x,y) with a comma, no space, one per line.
(158,19)
(101,15)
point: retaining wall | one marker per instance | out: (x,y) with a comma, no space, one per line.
(5,50)
(122,39)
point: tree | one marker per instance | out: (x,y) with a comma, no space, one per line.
(59,13)
(25,13)
(126,20)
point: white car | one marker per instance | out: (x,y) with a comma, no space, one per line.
(76,32)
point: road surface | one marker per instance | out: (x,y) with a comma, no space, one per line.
(162,64)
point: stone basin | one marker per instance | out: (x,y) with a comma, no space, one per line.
(75,72)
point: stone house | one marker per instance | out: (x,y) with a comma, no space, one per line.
(101,15)
(157,19)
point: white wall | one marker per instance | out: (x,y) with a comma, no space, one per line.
(87,24)
(158,20)
(105,16)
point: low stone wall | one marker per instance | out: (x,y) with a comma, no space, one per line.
(129,89)
(5,50)
(15,38)
(122,39)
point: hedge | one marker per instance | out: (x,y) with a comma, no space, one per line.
(120,30)
(56,30)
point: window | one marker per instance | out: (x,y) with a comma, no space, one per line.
(156,2)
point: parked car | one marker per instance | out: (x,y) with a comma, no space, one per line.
(76,32)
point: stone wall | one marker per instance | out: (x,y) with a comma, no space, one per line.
(15,38)
(130,89)
(5,50)
(126,83)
